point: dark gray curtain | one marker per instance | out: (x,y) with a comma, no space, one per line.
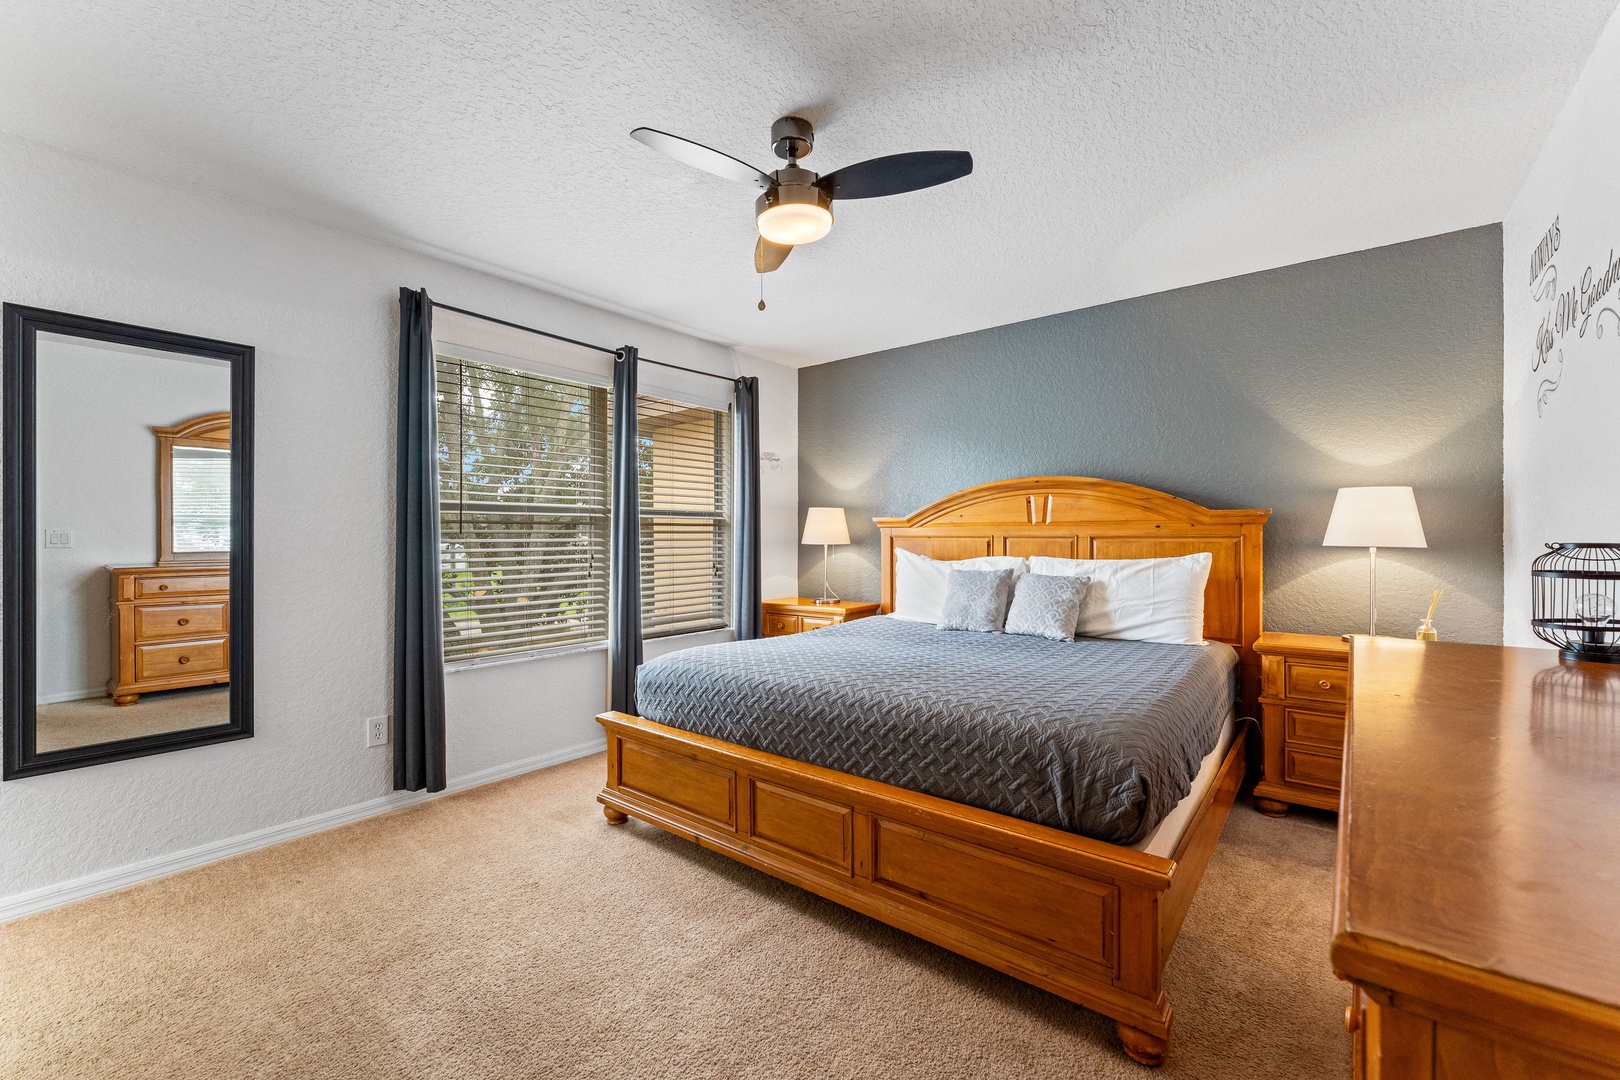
(747,619)
(624,545)
(418,645)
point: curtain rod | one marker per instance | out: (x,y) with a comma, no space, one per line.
(572,341)
(526,329)
(694,371)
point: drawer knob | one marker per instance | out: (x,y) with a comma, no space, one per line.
(185,622)
(185,660)
(163,588)
(1324,684)
(1352,1019)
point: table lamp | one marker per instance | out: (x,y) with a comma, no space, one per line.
(1374,517)
(825,525)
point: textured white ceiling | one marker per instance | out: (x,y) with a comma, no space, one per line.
(1121,147)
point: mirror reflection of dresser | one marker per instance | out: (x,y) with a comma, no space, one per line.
(171,620)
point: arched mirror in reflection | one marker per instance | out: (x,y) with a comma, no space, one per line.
(126,514)
(194,490)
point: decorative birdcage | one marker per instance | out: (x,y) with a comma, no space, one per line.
(1574,593)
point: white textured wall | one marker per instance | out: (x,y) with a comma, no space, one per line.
(96,475)
(321,308)
(1561,378)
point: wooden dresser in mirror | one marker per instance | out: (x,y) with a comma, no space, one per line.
(171,621)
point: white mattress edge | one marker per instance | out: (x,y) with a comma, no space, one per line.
(1163,840)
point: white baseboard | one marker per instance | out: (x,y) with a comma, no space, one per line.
(27,903)
(72,695)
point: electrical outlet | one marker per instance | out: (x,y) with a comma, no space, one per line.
(377,731)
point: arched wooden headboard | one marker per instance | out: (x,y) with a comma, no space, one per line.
(1079,517)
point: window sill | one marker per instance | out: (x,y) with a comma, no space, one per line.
(522,658)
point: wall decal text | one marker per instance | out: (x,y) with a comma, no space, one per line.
(1577,308)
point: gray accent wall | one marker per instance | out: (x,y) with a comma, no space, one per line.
(1269,390)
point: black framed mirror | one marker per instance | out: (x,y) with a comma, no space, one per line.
(128,561)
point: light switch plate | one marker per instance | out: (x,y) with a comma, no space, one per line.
(58,538)
(377,731)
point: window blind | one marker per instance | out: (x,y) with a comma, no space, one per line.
(524,499)
(684,458)
(523,503)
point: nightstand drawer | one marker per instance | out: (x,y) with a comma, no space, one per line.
(1312,770)
(1321,729)
(1317,682)
(796,614)
(777,625)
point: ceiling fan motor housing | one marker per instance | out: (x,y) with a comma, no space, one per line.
(793,186)
(792,138)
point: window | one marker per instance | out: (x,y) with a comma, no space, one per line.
(524,499)
(201,478)
(523,510)
(684,477)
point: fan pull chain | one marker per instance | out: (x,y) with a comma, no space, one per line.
(762,292)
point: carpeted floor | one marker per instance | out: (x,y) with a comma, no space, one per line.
(97,720)
(510,932)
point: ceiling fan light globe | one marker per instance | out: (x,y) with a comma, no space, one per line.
(794,223)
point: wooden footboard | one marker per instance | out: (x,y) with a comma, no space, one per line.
(1089,921)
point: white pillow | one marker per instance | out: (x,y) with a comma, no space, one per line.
(919,582)
(1139,599)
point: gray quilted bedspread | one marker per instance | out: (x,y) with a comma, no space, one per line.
(1096,737)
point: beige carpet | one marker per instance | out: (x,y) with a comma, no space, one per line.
(510,932)
(98,720)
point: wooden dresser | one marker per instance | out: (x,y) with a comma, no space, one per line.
(170,628)
(1304,688)
(795,614)
(1478,881)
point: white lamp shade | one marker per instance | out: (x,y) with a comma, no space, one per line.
(1375,517)
(825,525)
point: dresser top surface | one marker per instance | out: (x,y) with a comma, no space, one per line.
(1482,810)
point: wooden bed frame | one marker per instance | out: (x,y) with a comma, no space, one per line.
(1089,921)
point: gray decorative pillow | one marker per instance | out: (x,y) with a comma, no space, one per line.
(977,600)
(1047,605)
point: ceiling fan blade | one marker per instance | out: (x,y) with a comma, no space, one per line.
(768,256)
(897,173)
(700,157)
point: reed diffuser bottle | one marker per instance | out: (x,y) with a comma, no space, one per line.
(1427,632)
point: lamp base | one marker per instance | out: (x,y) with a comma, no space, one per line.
(827,595)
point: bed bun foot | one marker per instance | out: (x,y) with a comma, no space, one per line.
(614,817)
(1271,807)
(1142,1047)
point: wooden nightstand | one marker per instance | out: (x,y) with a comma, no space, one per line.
(1304,691)
(794,614)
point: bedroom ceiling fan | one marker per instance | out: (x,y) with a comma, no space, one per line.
(796,204)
